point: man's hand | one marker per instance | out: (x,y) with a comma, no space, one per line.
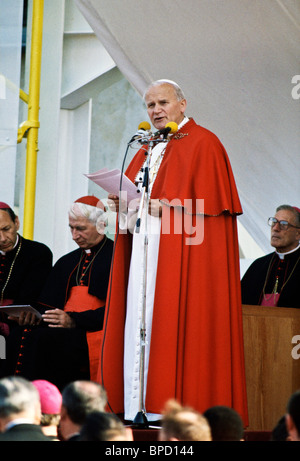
(57,318)
(25,318)
(155,208)
(113,202)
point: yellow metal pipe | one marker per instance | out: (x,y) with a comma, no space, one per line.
(10,85)
(23,96)
(33,117)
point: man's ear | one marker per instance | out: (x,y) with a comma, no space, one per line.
(2,425)
(63,412)
(291,428)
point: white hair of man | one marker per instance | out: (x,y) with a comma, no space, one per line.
(95,215)
(18,397)
(178,91)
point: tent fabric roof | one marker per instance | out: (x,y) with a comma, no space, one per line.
(235,61)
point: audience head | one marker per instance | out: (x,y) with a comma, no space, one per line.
(181,423)
(9,226)
(225,423)
(51,399)
(293,416)
(101,426)
(280,432)
(19,398)
(87,220)
(79,399)
(285,237)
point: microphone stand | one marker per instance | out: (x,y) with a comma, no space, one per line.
(140,419)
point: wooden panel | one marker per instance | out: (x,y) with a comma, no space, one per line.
(272,374)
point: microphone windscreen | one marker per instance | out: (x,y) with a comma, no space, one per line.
(144,126)
(173,126)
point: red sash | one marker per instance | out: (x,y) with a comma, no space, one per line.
(6,302)
(270,299)
(79,301)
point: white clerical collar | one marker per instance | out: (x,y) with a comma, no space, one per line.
(184,121)
(282,255)
(17,241)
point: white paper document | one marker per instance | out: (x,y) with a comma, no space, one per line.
(16,309)
(109,180)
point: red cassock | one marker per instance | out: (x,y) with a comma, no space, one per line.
(197,351)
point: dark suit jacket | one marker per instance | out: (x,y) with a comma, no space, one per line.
(24,432)
(30,271)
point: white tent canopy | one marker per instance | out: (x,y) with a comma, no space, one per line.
(237,62)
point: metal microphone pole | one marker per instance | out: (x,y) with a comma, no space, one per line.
(140,419)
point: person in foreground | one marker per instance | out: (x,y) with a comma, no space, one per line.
(183,424)
(50,398)
(273,280)
(225,423)
(20,411)
(186,245)
(79,399)
(293,417)
(104,427)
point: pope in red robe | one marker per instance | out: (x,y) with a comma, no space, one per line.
(196,350)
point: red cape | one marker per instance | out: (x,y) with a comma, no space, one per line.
(197,352)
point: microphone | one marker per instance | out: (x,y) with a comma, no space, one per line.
(170,128)
(142,128)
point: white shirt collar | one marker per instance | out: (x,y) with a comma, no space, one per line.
(17,421)
(282,255)
(184,121)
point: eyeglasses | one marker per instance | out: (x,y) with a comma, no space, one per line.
(284,225)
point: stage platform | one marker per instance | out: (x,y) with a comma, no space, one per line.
(150,435)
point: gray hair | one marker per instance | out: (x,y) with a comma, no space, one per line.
(94,214)
(17,395)
(293,210)
(178,91)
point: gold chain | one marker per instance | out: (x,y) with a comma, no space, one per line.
(9,274)
(274,291)
(78,280)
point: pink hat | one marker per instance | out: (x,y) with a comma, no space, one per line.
(50,397)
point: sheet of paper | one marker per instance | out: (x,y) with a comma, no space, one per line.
(109,180)
(16,309)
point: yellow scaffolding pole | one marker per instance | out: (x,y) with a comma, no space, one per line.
(32,124)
